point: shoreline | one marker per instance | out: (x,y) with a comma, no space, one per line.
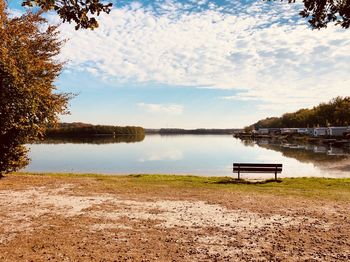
(325,140)
(311,187)
(245,177)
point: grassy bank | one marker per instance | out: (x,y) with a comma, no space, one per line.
(314,188)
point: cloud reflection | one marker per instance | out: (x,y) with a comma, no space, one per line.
(171,155)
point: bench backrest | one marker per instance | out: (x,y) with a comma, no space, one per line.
(257,168)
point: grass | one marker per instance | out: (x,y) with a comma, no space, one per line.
(316,188)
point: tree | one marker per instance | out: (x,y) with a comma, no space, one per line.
(248,129)
(28,97)
(83,12)
(334,113)
(323,12)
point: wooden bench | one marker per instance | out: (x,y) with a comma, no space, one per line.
(256,168)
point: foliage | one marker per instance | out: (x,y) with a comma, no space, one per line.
(323,12)
(334,113)
(248,129)
(82,12)
(83,130)
(27,74)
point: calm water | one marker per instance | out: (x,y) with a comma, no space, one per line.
(210,155)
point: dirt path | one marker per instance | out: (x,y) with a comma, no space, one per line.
(56,219)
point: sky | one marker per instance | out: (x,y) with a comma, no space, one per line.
(199,63)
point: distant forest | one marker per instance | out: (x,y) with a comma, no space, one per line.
(83,130)
(200,131)
(334,113)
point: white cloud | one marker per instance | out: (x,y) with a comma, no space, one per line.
(15,13)
(162,108)
(259,49)
(241,97)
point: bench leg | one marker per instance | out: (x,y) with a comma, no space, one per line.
(239,176)
(275,175)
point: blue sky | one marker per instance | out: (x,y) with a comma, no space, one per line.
(200,63)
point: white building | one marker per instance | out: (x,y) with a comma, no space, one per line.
(263,131)
(289,130)
(320,131)
(274,131)
(303,131)
(310,131)
(337,131)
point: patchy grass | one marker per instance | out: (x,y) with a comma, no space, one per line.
(68,217)
(315,188)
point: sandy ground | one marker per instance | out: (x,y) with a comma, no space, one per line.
(55,219)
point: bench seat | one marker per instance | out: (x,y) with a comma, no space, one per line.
(257,168)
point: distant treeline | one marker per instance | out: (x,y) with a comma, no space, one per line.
(82,129)
(334,113)
(201,131)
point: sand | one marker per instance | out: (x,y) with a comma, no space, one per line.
(59,220)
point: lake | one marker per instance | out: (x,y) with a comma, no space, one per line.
(207,155)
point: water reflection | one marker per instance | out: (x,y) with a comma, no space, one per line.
(173,155)
(326,157)
(102,139)
(211,155)
(306,152)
